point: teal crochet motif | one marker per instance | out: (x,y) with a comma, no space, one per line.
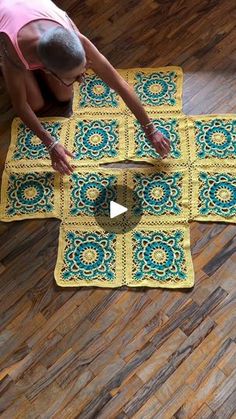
(168,128)
(29,146)
(96,139)
(94,92)
(157,88)
(216,138)
(91,193)
(31,192)
(158,255)
(90,256)
(159,193)
(218,194)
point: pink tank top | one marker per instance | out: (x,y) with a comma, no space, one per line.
(14,14)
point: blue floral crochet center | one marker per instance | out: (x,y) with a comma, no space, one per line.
(90,256)
(216,138)
(158,256)
(96,139)
(217,194)
(156,89)
(30,193)
(160,193)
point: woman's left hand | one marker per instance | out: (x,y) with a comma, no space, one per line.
(160,143)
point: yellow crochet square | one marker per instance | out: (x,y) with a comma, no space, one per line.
(172,126)
(96,137)
(158,89)
(214,193)
(88,191)
(27,150)
(212,139)
(93,94)
(159,256)
(89,256)
(160,194)
(29,193)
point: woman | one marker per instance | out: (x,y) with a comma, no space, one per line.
(36,34)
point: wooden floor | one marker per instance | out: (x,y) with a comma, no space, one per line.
(128,353)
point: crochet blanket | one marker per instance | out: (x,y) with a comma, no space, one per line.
(196,182)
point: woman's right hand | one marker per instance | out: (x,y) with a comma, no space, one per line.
(59,162)
(160,143)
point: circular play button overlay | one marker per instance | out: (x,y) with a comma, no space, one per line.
(120,209)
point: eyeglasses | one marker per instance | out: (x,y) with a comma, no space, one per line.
(78,78)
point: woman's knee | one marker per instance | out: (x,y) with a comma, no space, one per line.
(37,104)
(63,94)
(60,92)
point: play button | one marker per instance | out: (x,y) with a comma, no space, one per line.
(114,211)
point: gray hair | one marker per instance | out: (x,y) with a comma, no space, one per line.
(60,49)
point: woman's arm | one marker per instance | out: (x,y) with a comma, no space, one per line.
(15,83)
(102,67)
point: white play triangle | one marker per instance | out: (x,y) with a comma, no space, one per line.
(116,209)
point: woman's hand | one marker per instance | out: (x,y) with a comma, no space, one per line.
(160,143)
(59,161)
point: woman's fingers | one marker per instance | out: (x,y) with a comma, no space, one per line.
(160,147)
(59,168)
(165,142)
(59,160)
(165,146)
(62,167)
(65,168)
(69,153)
(67,165)
(161,144)
(66,162)
(55,166)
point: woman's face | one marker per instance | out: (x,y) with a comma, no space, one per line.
(69,77)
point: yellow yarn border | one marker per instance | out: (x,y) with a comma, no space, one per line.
(183,134)
(188,283)
(196,216)
(66,182)
(66,227)
(4,198)
(123,252)
(33,164)
(208,161)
